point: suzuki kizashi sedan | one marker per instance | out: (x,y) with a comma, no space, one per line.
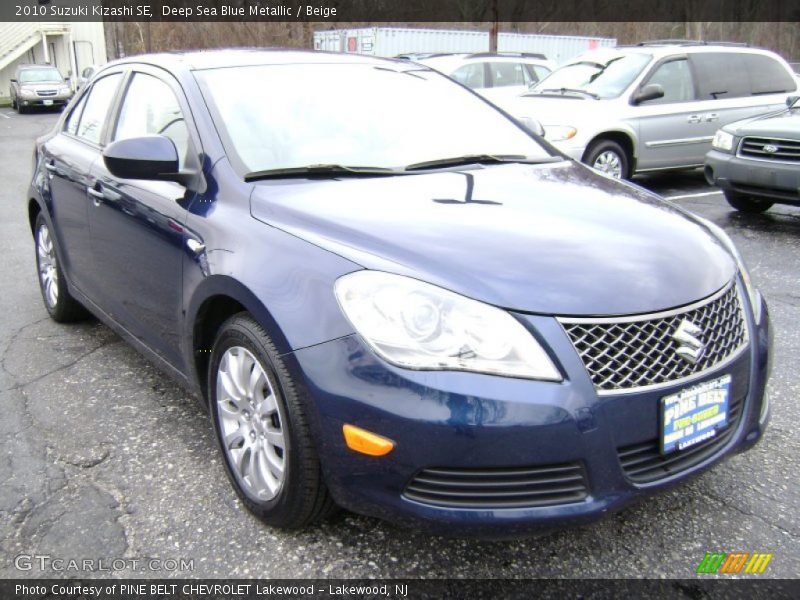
(391,296)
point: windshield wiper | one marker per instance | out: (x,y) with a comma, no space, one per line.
(331,170)
(470,159)
(564,90)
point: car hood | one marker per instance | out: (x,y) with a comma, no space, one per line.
(549,239)
(552,109)
(785,123)
(49,85)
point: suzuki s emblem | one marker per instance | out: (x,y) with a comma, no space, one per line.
(770,149)
(691,348)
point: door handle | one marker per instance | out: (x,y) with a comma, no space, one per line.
(97,194)
(694,119)
(712,117)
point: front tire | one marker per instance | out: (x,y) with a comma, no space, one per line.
(747,204)
(60,304)
(608,157)
(262,429)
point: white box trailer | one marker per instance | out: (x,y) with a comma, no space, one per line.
(391,41)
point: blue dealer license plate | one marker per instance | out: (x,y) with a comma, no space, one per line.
(694,415)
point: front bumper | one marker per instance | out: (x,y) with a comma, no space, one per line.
(467,421)
(48,101)
(778,181)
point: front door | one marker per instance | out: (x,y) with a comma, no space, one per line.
(137,225)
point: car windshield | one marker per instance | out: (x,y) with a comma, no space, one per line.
(363,115)
(602,75)
(49,75)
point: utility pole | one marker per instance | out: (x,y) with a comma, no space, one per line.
(494,29)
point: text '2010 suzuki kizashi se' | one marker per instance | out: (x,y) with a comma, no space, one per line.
(391,296)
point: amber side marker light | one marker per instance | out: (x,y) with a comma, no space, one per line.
(366,442)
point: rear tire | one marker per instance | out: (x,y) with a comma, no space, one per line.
(262,429)
(747,204)
(60,304)
(608,157)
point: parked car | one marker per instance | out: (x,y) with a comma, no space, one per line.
(756,161)
(496,76)
(653,106)
(293,259)
(38,85)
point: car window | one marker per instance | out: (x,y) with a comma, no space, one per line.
(46,75)
(536,73)
(767,75)
(675,77)
(606,74)
(472,76)
(507,73)
(151,108)
(721,75)
(97,106)
(74,117)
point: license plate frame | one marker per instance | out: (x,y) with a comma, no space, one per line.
(694,414)
(47,102)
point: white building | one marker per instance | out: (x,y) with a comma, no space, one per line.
(70,47)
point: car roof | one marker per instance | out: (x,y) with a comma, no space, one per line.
(451,61)
(236,57)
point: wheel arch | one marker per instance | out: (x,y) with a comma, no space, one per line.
(623,138)
(218,298)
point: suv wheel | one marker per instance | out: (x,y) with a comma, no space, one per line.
(262,429)
(61,306)
(608,157)
(745,203)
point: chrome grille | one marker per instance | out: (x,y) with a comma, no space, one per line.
(44,93)
(634,352)
(770,149)
(512,487)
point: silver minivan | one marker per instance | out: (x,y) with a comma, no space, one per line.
(653,106)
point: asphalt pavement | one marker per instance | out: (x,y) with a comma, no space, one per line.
(103,457)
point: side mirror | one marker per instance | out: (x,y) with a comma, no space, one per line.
(649,92)
(532,125)
(13,81)
(146,157)
(790,101)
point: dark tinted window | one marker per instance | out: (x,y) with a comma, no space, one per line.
(97,106)
(767,75)
(720,75)
(675,77)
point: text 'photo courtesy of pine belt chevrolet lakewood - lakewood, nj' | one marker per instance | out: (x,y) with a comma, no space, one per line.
(397,299)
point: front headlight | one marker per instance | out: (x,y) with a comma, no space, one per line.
(417,325)
(723,141)
(559,133)
(27,93)
(752,293)
(63,90)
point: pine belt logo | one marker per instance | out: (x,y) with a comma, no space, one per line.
(733,563)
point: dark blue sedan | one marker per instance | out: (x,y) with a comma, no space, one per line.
(392,297)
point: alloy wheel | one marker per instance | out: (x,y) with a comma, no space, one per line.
(48,267)
(251,425)
(610,163)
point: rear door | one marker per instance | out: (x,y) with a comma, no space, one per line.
(68,158)
(137,225)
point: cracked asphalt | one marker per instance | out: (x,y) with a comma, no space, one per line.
(104,457)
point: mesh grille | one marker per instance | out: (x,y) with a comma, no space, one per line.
(621,355)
